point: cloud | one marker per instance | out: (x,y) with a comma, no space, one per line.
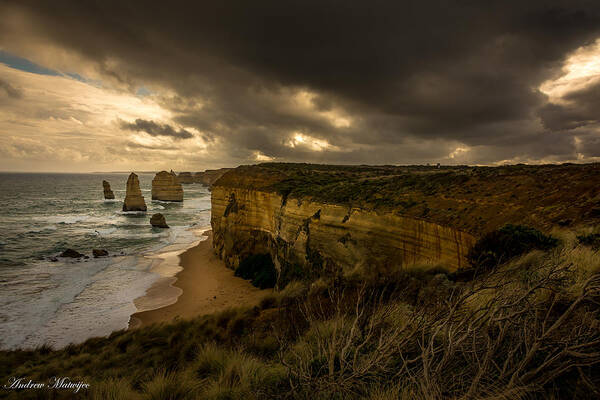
(154,129)
(9,90)
(377,82)
(578,109)
(63,124)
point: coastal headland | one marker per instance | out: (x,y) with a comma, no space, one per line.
(486,278)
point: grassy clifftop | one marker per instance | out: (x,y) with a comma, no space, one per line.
(474,199)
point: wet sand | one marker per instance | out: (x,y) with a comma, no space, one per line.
(204,286)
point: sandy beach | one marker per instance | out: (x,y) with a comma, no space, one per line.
(205,285)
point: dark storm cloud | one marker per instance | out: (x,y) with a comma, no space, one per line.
(154,129)
(589,144)
(409,74)
(10,90)
(581,108)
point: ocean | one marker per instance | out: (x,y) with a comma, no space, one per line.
(68,301)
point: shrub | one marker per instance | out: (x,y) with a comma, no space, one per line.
(112,389)
(292,272)
(294,292)
(484,341)
(241,377)
(259,269)
(210,360)
(269,301)
(505,243)
(593,240)
(171,386)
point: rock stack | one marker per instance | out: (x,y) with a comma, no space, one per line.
(108,193)
(166,187)
(134,201)
(158,220)
(185,177)
(99,253)
(70,253)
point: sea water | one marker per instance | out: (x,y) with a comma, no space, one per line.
(70,300)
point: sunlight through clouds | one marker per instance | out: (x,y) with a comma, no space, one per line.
(335,116)
(581,69)
(458,152)
(57,119)
(301,140)
(260,157)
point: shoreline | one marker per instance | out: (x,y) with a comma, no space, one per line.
(203,285)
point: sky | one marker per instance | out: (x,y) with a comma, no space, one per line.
(119,86)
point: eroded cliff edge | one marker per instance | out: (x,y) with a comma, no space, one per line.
(311,235)
(315,217)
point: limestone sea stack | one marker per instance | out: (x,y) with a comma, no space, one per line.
(166,187)
(134,201)
(158,220)
(108,193)
(185,177)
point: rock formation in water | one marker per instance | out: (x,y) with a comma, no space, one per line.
(210,176)
(185,177)
(70,253)
(99,253)
(166,187)
(134,201)
(108,193)
(158,220)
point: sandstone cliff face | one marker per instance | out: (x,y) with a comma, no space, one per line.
(310,235)
(108,193)
(210,176)
(134,201)
(166,187)
(185,177)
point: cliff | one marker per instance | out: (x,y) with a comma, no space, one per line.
(308,234)
(311,217)
(166,187)
(108,193)
(210,176)
(134,201)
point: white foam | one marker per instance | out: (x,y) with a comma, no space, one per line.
(166,265)
(70,301)
(66,219)
(69,219)
(95,307)
(106,231)
(42,229)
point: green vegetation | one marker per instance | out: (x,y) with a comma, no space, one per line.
(259,269)
(506,243)
(462,197)
(529,328)
(376,188)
